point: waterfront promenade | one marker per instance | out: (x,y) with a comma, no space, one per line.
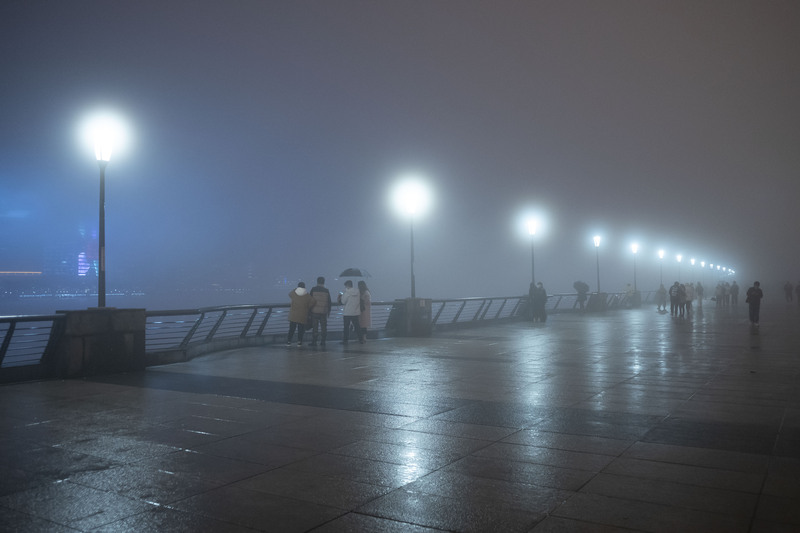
(622,421)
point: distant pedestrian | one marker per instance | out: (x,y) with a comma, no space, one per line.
(699,292)
(365,318)
(673,298)
(788,289)
(320,311)
(539,302)
(754,297)
(682,299)
(734,290)
(689,298)
(298,313)
(661,298)
(351,310)
(582,289)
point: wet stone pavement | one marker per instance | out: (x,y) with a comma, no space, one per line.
(627,420)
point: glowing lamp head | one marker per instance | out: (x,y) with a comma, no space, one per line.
(597,241)
(532,225)
(411,197)
(661,254)
(692,261)
(679,258)
(635,247)
(106,132)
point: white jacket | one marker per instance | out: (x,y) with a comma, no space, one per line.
(351,302)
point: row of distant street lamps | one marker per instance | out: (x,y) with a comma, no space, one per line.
(411,197)
(533,225)
(661,253)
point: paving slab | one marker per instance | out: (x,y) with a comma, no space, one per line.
(628,420)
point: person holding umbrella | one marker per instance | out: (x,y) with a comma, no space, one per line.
(351,310)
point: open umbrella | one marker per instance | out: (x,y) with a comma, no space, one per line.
(355,273)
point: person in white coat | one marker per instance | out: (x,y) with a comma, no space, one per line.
(351,310)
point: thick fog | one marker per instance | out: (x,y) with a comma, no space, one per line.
(265,138)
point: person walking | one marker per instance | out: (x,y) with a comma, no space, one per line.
(298,313)
(365,318)
(320,311)
(754,297)
(351,310)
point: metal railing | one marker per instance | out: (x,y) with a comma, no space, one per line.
(27,342)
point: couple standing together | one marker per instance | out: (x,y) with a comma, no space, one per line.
(314,307)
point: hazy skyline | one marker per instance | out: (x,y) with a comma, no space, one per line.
(267,136)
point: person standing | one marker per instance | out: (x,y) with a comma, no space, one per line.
(661,298)
(351,310)
(320,311)
(734,294)
(754,296)
(689,298)
(365,318)
(673,299)
(298,313)
(539,300)
(699,291)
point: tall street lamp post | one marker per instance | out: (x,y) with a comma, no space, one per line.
(634,249)
(597,257)
(103,154)
(679,257)
(661,266)
(411,198)
(533,224)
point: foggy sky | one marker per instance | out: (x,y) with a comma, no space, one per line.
(267,135)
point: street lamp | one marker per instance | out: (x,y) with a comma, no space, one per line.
(411,198)
(679,258)
(104,131)
(661,265)
(597,255)
(702,272)
(533,224)
(634,249)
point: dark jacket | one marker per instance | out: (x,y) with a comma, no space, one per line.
(321,300)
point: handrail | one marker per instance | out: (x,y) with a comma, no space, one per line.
(179,334)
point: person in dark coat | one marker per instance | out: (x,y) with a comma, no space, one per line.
(538,296)
(754,296)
